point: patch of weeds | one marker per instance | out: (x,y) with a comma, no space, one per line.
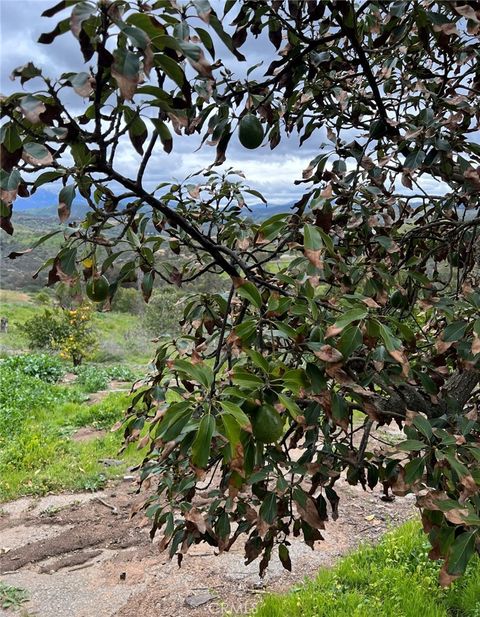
(101,415)
(120,373)
(92,378)
(94,483)
(50,511)
(12,597)
(46,367)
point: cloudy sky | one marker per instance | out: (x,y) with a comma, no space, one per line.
(272,173)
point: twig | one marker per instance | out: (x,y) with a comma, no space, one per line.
(114,509)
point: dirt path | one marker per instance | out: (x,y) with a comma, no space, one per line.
(81,556)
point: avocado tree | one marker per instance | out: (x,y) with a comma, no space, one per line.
(361,301)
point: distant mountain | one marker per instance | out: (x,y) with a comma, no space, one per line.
(39,200)
(44,204)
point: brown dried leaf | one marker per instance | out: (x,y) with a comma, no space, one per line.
(332,331)
(475,344)
(127,84)
(470,487)
(314,257)
(467,11)
(327,353)
(32,109)
(401,358)
(370,302)
(444,578)
(399,486)
(456,515)
(442,346)
(310,514)
(195,517)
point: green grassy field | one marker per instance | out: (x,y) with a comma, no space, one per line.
(393,579)
(38,423)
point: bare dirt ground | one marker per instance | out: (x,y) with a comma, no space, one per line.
(81,555)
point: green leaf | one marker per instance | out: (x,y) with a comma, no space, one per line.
(411,445)
(65,199)
(206,40)
(414,159)
(244,378)
(10,181)
(67,259)
(147,285)
(10,138)
(290,404)
(137,130)
(347,318)
(340,410)
(201,373)
(423,425)
(284,557)
(258,360)
(231,431)
(268,509)
(286,330)
(312,240)
(136,36)
(171,68)
(350,340)
(174,420)
(202,442)
(148,24)
(454,331)
(250,292)
(226,39)
(391,342)
(414,470)
(236,412)
(461,552)
(164,134)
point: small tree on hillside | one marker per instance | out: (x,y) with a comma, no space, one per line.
(69,331)
(334,306)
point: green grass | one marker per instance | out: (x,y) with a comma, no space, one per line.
(37,452)
(12,597)
(393,579)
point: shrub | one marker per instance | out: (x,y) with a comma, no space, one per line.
(163,313)
(121,373)
(68,330)
(45,331)
(42,297)
(128,300)
(80,342)
(92,378)
(45,367)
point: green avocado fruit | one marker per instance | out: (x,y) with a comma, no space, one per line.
(97,289)
(250,132)
(398,300)
(267,424)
